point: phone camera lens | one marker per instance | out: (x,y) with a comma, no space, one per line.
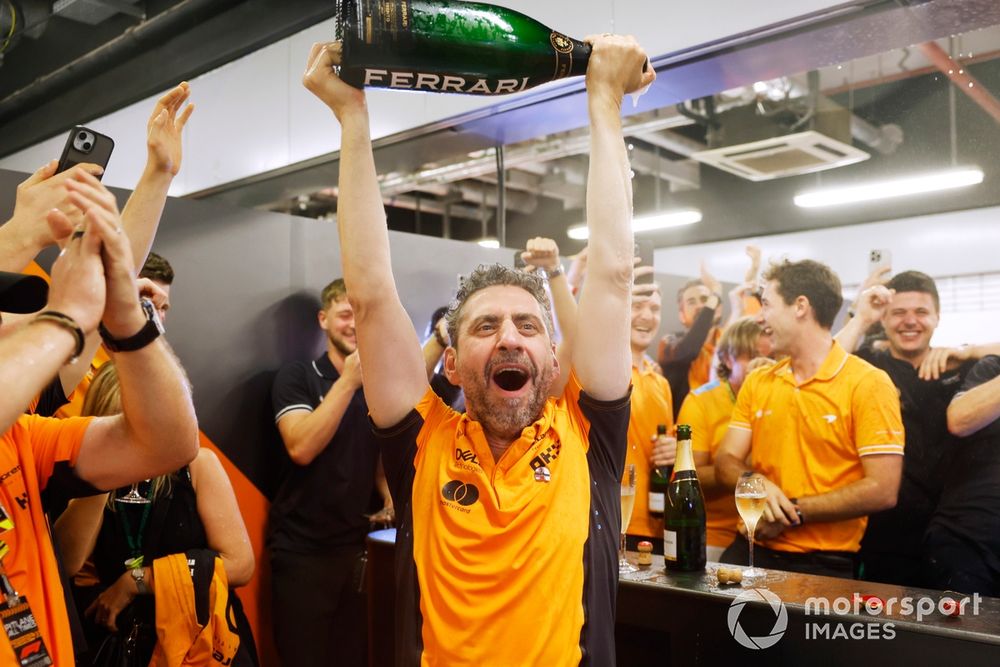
(87,145)
(81,136)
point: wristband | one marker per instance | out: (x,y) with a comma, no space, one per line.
(150,331)
(68,323)
(553,272)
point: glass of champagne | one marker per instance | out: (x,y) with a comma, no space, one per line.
(751,496)
(133,497)
(628,502)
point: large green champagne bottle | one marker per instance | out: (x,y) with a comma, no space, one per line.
(448,46)
(684,516)
(659,482)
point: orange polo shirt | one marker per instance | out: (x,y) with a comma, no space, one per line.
(701,368)
(510,562)
(29,453)
(809,437)
(707,410)
(652,405)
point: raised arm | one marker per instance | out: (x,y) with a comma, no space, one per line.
(27,232)
(395,375)
(157,431)
(601,355)
(543,254)
(869,308)
(141,215)
(31,356)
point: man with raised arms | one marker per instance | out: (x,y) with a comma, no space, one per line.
(485,541)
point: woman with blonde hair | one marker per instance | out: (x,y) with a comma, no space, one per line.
(707,410)
(192,511)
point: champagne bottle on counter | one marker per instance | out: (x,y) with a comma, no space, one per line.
(684,535)
(448,46)
(659,482)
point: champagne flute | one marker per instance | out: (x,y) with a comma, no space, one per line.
(133,497)
(751,496)
(628,502)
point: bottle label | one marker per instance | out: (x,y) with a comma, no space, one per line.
(404,79)
(563,46)
(656,501)
(670,545)
(386,21)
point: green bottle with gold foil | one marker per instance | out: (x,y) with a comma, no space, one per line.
(448,46)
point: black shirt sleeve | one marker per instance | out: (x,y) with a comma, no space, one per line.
(291,390)
(686,350)
(985,370)
(398,445)
(51,399)
(608,431)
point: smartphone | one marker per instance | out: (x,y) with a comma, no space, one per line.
(518,260)
(644,251)
(879,258)
(86,145)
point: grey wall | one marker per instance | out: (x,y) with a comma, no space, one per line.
(244,302)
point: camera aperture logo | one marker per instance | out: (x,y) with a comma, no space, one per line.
(780,618)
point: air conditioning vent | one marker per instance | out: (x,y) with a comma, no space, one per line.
(788,155)
(93,12)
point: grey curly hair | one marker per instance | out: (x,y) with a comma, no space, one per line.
(488,275)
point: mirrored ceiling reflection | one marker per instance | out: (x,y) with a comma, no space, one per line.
(779,155)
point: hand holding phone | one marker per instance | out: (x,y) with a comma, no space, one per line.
(879,259)
(644,251)
(85,145)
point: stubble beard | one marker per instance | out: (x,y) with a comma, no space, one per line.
(340,344)
(505,417)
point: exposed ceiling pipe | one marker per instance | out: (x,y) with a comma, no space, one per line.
(519,202)
(514,157)
(157,29)
(434,207)
(885,139)
(961,78)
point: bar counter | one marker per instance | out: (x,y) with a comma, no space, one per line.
(685,619)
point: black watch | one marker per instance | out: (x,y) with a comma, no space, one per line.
(146,335)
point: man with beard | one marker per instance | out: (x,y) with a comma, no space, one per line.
(318,526)
(821,427)
(518,498)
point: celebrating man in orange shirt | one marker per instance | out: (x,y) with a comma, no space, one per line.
(822,427)
(520,496)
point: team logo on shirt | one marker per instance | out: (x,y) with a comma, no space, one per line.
(543,460)
(460,492)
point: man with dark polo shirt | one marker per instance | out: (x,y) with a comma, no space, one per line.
(908,308)
(821,427)
(963,540)
(509,514)
(318,524)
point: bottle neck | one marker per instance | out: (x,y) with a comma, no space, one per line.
(685,457)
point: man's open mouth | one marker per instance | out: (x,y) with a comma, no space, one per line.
(510,379)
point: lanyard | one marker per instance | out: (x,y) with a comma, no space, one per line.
(732,394)
(134,540)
